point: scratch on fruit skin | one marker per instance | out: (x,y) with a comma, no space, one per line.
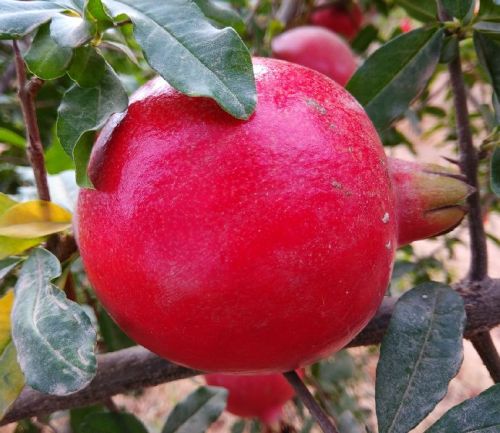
(227,245)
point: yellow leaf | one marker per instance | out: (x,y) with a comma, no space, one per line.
(11,378)
(34,219)
(13,246)
(5,202)
(5,308)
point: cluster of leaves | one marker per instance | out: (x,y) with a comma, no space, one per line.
(91,54)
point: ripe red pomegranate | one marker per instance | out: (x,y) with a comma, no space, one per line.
(261,396)
(344,18)
(316,48)
(245,246)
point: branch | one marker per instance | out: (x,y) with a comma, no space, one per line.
(468,165)
(135,368)
(288,10)
(307,398)
(27,92)
(483,343)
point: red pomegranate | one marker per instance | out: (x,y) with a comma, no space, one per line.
(316,48)
(261,396)
(344,18)
(244,246)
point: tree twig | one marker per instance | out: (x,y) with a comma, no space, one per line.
(27,92)
(307,398)
(136,368)
(483,343)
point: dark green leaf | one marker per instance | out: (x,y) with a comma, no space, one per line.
(53,335)
(18,18)
(7,265)
(488,52)
(114,338)
(197,412)
(238,426)
(76,127)
(26,426)
(495,171)
(396,73)
(77,416)
(192,55)
(422,10)
(489,10)
(492,28)
(221,14)
(112,423)
(88,67)
(97,11)
(364,38)
(420,353)
(56,159)
(459,8)
(70,31)
(480,415)
(45,58)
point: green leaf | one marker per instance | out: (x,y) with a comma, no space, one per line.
(495,171)
(192,55)
(76,127)
(478,414)
(112,423)
(10,137)
(459,8)
(364,38)
(77,416)
(11,378)
(56,159)
(422,10)
(221,14)
(18,18)
(420,353)
(88,67)
(70,31)
(396,73)
(13,246)
(488,52)
(54,336)
(45,58)
(197,412)
(96,9)
(7,265)
(114,338)
(489,10)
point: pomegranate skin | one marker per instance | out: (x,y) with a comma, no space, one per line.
(318,49)
(344,20)
(240,246)
(252,396)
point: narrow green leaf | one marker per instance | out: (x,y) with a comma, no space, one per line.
(70,31)
(10,137)
(192,55)
(11,378)
(459,8)
(480,414)
(420,353)
(45,58)
(495,171)
(396,73)
(489,27)
(488,52)
(97,11)
(489,10)
(18,18)
(112,423)
(422,10)
(54,337)
(13,246)
(197,412)
(76,127)
(221,14)
(77,415)
(56,159)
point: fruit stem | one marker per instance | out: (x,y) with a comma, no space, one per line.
(307,398)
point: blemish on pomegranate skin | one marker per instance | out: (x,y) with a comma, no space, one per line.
(386,218)
(388,245)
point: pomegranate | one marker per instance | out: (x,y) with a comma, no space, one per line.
(316,48)
(344,18)
(261,396)
(251,246)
